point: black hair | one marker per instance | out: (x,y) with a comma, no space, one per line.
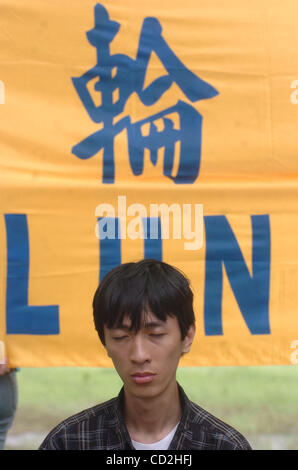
(146,286)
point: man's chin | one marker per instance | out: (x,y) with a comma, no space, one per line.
(147,390)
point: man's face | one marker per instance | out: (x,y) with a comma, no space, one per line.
(147,360)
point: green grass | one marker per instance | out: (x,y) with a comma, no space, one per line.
(258,401)
(253,399)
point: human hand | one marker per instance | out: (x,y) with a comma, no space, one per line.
(4,369)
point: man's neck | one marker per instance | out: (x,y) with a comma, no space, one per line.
(151,419)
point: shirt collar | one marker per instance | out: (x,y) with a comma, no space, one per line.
(182,436)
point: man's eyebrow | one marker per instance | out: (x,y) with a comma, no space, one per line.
(121,327)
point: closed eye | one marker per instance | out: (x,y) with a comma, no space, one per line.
(118,338)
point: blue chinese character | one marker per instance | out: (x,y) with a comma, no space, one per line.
(121,75)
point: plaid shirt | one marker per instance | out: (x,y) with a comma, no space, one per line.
(102,427)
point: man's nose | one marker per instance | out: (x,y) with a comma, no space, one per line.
(139,352)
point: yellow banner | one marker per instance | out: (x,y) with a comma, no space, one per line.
(151,129)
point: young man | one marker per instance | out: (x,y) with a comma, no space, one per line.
(143,313)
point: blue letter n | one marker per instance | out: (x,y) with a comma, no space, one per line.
(251,292)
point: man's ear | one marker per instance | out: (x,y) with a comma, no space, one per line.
(104,343)
(107,351)
(187,342)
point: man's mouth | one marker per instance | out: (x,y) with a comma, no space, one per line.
(143,377)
